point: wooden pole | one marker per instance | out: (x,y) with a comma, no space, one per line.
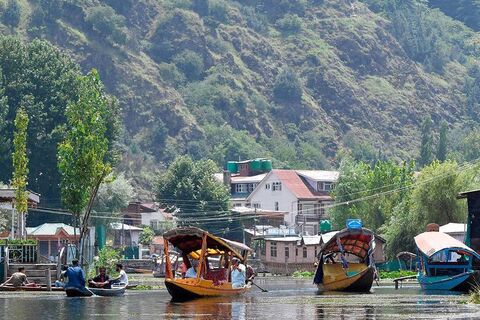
(202,256)
(168,266)
(49,279)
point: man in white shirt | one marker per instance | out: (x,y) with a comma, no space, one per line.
(192,271)
(122,278)
(238,274)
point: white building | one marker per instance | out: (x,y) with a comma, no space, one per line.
(302,193)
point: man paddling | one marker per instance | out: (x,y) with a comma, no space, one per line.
(238,274)
(75,275)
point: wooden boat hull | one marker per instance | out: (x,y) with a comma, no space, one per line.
(186,289)
(75,292)
(11,288)
(463,282)
(360,280)
(114,292)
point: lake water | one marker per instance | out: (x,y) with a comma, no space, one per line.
(287,299)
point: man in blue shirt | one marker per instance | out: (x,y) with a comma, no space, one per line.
(75,275)
(238,274)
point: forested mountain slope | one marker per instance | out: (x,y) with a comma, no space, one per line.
(294,80)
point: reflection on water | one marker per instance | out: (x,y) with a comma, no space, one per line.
(286,299)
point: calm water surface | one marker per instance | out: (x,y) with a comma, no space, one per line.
(286,299)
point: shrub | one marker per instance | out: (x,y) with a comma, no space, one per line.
(12,13)
(107,257)
(106,22)
(190,63)
(218,10)
(289,23)
(169,73)
(287,87)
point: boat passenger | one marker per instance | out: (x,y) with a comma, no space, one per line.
(18,279)
(238,274)
(192,271)
(122,278)
(102,280)
(75,275)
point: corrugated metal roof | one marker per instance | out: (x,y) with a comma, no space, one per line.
(123,226)
(320,175)
(51,229)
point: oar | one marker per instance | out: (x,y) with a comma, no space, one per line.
(256,285)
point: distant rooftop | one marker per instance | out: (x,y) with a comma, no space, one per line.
(319,175)
(51,229)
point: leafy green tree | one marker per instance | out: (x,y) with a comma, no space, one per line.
(12,13)
(190,63)
(289,24)
(190,187)
(87,154)
(108,23)
(108,258)
(20,165)
(287,87)
(113,196)
(426,147)
(442,142)
(38,77)
(146,236)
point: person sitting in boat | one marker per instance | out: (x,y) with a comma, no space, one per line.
(238,274)
(18,279)
(102,280)
(192,271)
(75,275)
(122,278)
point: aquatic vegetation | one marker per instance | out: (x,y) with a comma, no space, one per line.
(303,274)
(396,274)
(475,295)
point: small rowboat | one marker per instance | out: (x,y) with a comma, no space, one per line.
(203,248)
(113,292)
(76,292)
(27,288)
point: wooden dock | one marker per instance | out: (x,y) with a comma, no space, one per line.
(401,279)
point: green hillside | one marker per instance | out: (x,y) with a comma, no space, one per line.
(293,80)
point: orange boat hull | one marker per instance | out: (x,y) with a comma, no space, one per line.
(184,289)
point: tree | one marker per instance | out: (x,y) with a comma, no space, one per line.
(113,196)
(190,187)
(87,154)
(190,63)
(146,236)
(12,13)
(426,147)
(20,165)
(287,87)
(108,23)
(442,142)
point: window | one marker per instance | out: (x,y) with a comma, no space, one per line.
(315,251)
(241,188)
(256,205)
(305,252)
(296,252)
(267,186)
(251,186)
(155,224)
(273,249)
(287,252)
(324,186)
(237,205)
(276,186)
(276,206)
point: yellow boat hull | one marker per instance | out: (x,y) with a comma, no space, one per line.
(357,278)
(183,289)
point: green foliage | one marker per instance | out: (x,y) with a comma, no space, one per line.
(442,142)
(20,161)
(107,257)
(190,63)
(396,274)
(287,87)
(113,196)
(303,274)
(360,150)
(108,23)
(170,73)
(20,241)
(12,13)
(289,24)
(191,188)
(218,10)
(86,155)
(146,236)
(426,147)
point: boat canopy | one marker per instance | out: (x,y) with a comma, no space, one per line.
(189,241)
(432,242)
(354,241)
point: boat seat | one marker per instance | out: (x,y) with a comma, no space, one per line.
(218,276)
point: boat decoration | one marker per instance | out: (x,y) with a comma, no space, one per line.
(446,263)
(199,247)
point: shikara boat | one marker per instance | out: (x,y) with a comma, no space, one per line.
(28,288)
(211,280)
(113,292)
(346,262)
(446,263)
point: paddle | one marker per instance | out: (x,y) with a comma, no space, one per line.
(256,285)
